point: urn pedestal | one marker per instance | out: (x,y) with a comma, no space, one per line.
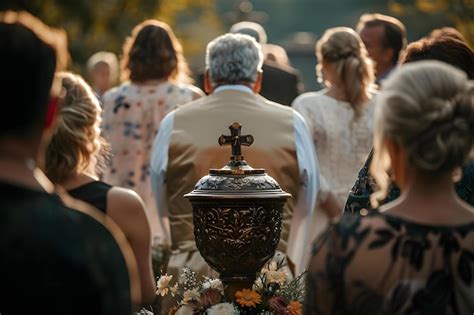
(237,215)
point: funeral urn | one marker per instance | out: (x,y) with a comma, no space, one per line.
(237,215)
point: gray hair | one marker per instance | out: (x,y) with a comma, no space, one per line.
(427,107)
(233,59)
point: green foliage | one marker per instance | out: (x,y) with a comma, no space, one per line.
(103,25)
(459,12)
(294,290)
(91,25)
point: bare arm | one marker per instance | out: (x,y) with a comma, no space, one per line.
(126,208)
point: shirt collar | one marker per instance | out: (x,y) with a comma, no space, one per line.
(233,87)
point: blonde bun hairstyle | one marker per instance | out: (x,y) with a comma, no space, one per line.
(427,107)
(343,48)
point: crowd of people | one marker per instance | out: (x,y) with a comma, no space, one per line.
(379,164)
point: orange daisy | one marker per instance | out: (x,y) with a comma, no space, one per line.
(248,298)
(294,308)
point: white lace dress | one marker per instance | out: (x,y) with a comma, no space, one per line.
(342,143)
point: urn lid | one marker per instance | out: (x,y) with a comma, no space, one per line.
(237,179)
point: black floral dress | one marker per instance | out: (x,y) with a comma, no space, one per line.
(359,196)
(380,264)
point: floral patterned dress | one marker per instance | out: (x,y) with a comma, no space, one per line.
(381,264)
(132,116)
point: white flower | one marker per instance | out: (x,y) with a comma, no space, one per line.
(185,310)
(258,284)
(174,290)
(273,275)
(191,295)
(215,284)
(276,277)
(271,267)
(222,309)
(144,311)
(162,285)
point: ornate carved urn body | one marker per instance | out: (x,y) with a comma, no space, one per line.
(237,215)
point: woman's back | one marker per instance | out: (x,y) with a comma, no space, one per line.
(340,117)
(382,264)
(341,142)
(132,116)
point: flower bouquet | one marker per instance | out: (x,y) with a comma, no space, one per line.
(272,293)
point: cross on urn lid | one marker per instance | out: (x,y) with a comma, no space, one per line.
(237,164)
(236,140)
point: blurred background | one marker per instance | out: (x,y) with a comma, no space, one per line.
(294,24)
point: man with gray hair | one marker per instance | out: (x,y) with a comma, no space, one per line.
(186,148)
(281,83)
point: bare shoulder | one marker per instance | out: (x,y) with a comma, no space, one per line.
(122,199)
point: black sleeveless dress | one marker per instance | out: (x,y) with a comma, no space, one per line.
(94,193)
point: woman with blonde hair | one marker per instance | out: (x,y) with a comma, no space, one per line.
(75,159)
(340,116)
(156,77)
(414,255)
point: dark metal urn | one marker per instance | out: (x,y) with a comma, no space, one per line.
(237,214)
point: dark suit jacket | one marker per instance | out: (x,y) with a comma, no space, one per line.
(280,83)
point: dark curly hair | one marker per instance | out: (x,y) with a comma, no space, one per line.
(442,47)
(152,52)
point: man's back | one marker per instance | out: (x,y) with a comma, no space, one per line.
(57,260)
(186,148)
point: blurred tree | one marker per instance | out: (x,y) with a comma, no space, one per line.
(91,25)
(195,22)
(460,12)
(103,25)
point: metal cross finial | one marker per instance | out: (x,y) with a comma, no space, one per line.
(236,140)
